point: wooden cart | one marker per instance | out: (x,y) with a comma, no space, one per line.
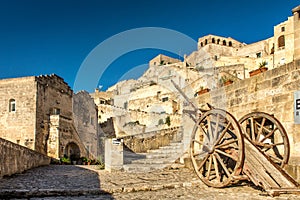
(224,151)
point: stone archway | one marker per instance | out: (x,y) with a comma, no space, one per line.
(72,150)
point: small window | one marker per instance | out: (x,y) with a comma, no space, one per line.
(281,41)
(56,111)
(92,120)
(224,42)
(165,99)
(282,29)
(12,105)
(213,40)
(258,55)
(216,57)
(218,41)
(230,43)
(125,106)
(206,41)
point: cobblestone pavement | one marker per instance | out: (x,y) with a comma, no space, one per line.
(86,182)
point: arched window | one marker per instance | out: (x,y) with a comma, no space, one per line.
(281,41)
(205,41)
(230,43)
(12,105)
(201,44)
(224,42)
(213,40)
(218,41)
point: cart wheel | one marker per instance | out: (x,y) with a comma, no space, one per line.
(267,133)
(217,148)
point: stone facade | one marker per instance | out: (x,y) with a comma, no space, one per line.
(36,112)
(86,122)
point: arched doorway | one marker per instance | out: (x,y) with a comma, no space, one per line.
(72,151)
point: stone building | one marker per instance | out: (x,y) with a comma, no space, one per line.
(85,114)
(36,112)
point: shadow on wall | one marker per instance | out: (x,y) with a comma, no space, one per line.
(53,181)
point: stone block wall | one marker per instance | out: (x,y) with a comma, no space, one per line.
(270,92)
(153,140)
(16,159)
(18,126)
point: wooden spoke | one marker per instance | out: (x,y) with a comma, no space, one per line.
(226,154)
(216,168)
(223,165)
(223,133)
(210,133)
(202,130)
(203,162)
(271,145)
(197,141)
(227,143)
(268,134)
(261,129)
(209,167)
(252,136)
(275,158)
(222,142)
(216,128)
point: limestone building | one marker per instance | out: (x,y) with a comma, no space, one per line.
(143,102)
(37,112)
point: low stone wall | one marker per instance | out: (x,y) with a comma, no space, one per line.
(16,159)
(140,143)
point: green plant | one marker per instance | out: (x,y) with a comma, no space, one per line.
(224,79)
(168,120)
(100,164)
(65,160)
(263,64)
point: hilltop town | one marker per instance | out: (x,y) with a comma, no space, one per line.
(43,113)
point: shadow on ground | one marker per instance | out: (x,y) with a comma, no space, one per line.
(52,181)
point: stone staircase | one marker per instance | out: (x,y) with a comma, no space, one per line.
(153,159)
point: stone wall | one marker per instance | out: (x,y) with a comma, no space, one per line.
(270,92)
(16,159)
(18,126)
(86,122)
(54,97)
(153,140)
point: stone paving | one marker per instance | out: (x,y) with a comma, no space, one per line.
(86,182)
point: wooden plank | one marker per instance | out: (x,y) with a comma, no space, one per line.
(262,171)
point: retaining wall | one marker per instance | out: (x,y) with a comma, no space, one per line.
(16,159)
(153,140)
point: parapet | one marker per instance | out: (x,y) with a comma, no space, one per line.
(56,82)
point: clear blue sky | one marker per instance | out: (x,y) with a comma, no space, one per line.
(55,36)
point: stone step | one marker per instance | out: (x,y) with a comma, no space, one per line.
(165,151)
(140,168)
(153,161)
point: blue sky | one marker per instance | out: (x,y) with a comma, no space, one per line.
(56,36)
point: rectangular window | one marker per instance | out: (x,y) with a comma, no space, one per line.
(56,111)
(12,105)
(165,99)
